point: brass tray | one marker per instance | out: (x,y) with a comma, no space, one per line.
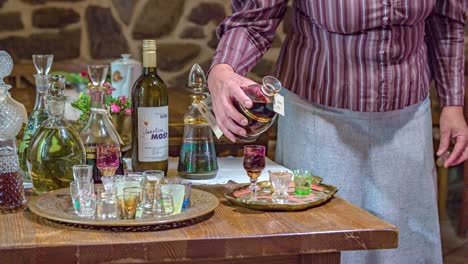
(57,206)
(295,203)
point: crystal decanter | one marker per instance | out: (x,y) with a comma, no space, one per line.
(197,153)
(12,117)
(99,129)
(56,147)
(37,116)
(261,115)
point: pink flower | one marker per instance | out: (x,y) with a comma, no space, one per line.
(88,92)
(123,99)
(110,90)
(115,108)
(128,111)
(83,74)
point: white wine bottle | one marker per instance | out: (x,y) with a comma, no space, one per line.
(150,140)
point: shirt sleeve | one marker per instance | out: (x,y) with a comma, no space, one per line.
(248,33)
(445,41)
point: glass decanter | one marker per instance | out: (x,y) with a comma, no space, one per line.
(56,147)
(37,116)
(261,115)
(12,117)
(99,129)
(197,154)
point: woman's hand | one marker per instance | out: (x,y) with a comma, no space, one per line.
(225,85)
(453,128)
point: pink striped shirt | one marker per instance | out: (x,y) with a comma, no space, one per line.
(362,55)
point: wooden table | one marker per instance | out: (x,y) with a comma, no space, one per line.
(231,235)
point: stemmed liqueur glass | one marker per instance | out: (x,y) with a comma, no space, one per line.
(42,63)
(108,159)
(254,163)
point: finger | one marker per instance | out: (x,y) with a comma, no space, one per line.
(226,131)
(462,158)
(444,142)
(457,151)
(232,112)
(241,97)
(234,128)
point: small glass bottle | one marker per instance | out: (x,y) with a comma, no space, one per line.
(56,147)
(197,154)
(37,116)
(99,129)
(12,116)
(261,115)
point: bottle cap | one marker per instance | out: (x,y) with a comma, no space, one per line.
(149,44)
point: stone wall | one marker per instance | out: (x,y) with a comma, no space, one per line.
(98,31)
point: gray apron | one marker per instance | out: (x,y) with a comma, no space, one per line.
(381,162)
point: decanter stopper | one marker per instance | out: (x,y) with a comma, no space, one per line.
(6,66)
(197,79)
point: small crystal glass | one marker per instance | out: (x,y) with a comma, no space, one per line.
(163,205)
(280,181)
(97,74)
(107,205)
(82,172)
(153,179)
(131,202)
(254,163)
(43,63)
(177,191)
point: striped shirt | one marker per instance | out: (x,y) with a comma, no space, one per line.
(362,55)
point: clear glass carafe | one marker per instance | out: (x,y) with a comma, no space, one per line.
(12,116)
(56,147)
(99,129)
(197,154)
(261,115)
(37,116)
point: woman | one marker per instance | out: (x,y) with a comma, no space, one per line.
(358,112)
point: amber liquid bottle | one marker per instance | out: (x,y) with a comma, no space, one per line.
(150,141)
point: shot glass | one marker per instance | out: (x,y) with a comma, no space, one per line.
(131,202)
(187,192)
(107,205)
(135,179)
(302,181)
(108,182)
(153,180)
(280,181)
(82,172)
(177,191)
(163,205)
(87,201)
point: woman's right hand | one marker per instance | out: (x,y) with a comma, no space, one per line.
(225,85)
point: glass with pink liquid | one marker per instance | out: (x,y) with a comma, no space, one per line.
(254,163)
(108,158)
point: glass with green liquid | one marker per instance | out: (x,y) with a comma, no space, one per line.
(302,181)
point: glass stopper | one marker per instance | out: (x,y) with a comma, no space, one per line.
(57,86)
(197,79)
(6,66)
(97,74)
(43,63)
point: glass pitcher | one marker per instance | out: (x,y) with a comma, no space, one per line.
(197,154)
(12,117)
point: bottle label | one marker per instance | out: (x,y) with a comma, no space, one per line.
(278,104)
(206,113)
(153,134)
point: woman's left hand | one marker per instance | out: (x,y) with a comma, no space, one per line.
(453,128)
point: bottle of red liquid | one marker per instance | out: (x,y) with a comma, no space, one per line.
(261,115)
(12,117)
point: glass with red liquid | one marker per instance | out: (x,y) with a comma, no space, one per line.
(108,158)
(254,163)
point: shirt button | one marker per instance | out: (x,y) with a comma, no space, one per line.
(385,19)
(387,3)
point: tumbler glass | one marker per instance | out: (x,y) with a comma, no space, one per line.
(280,181)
